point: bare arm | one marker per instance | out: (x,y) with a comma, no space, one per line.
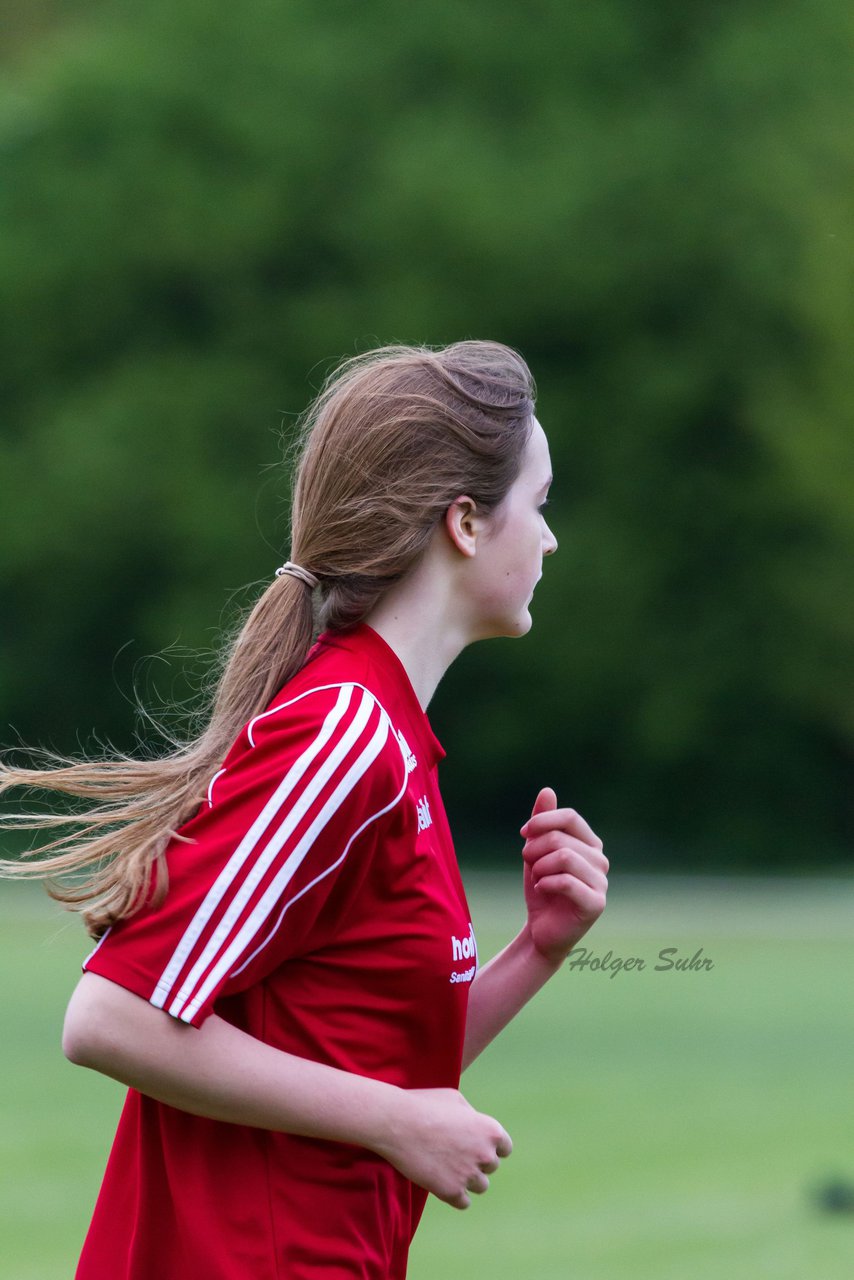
(432,1136)
(500,989)
(565,885)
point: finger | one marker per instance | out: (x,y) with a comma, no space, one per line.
(546,800)
(490,1166)
(477,1184)
(547,843)
(534,848)
(555,841)
(503,1146)
(570,885)
(458,1201)
(572,863)
(590,902)
(568,820)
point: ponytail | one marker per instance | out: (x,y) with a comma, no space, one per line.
(114,851)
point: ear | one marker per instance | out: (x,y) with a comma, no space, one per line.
(462,524)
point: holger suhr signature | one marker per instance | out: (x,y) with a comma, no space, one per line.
(668,958)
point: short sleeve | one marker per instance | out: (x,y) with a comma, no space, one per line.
(301,799)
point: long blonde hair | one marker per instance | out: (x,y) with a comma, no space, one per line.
(395,436)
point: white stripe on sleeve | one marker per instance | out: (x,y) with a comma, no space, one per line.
(326,871)
(296,811)
(273,893)
(226,878)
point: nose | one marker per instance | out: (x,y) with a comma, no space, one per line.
(549,543)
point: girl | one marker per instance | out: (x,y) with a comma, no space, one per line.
(286,974)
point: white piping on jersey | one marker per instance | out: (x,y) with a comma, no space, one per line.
(210,788)
(274,890)
(318,688)
(271,711)
(411,762)
(226,877)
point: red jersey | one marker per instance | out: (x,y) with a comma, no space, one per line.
(316,903)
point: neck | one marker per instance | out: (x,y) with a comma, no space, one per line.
(416,620)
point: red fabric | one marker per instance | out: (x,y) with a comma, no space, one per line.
(320,908)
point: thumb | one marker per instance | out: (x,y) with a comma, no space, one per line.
(546,799)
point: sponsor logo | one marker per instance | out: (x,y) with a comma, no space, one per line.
(423,810)
(408,756)
(465,976)
(464,949)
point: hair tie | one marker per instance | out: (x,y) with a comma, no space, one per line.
(297,571)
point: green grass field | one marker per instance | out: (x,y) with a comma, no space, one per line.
(667,1124)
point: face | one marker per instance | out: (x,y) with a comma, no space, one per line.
(508,561)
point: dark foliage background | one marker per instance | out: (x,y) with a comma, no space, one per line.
(205,205)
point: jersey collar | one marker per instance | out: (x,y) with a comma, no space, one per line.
(363,640)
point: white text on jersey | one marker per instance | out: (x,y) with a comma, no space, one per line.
(408,756)
(424,818)
(463,948)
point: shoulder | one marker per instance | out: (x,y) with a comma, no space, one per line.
(337,692)
(327,711)
(336,736)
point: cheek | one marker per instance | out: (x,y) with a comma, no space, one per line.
(523,564)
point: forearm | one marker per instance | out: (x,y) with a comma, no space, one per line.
(432,1136)
(221,1072)
(500,989)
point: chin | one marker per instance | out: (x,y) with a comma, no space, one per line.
(509,628)
(519,627)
